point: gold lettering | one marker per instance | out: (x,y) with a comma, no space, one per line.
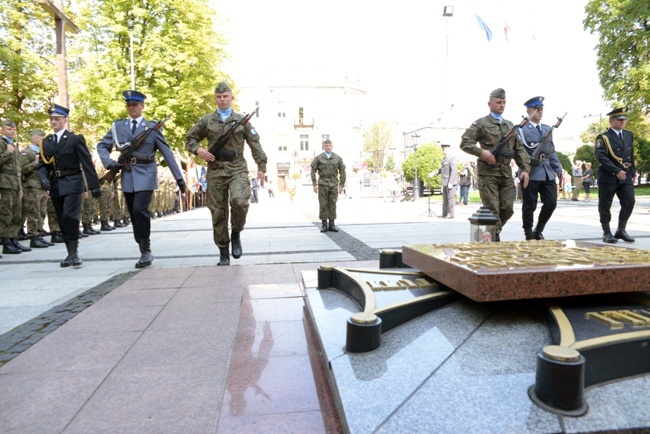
(613,324)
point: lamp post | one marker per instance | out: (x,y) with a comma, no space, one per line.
(131,50)
(447,12)
(416,182)
(600,120)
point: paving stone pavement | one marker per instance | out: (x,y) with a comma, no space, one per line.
(118,313)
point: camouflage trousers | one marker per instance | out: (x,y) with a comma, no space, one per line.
(498,195)
(52,220)
(327,197)
(223,191)
(10,213)
(105,201)
(43,207)
(33,210)
(88,208)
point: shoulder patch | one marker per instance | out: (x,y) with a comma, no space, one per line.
(599,143)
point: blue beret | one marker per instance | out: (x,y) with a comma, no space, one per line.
(535,102)
(58,110)
(134,95)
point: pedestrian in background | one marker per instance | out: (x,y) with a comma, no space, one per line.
(464,181)
(587,179)
(449,173)
(328,185)
(576,171)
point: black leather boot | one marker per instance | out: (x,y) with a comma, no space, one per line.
(67,262)
(621,234)
(82,235)
(8,247)
(235,240)
(57,237)
(88,230)
(37,243)
(224,256)
(324,227)
(22,236)
(74,245)
(607,235)
(537,233)
(20,246)
(146,258)
(332,227)
(528,233)
(118,224)
(40,237)
(105,226)
(125,222)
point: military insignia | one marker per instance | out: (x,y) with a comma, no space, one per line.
(253,131)
(599,143)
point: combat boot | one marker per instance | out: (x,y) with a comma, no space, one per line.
(22,236)
(57,237)
(235,240)
(528,232)
(118,224)
(224,256)
(607,235)
(74,246)
(621,234)
(125,222)
(67,262)
(43,240)
(8,247)
(105,226)
(17,245)
(88,230)
(324,227)
(332,227)
(537,233)
(146,258)
(82,235)
(37,243)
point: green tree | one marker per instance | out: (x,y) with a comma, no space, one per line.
(390,163)
(641,161)
(176,61)
(376,140)
(429,159)
(28,82)
(565,161)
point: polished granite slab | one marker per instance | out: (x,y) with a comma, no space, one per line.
(525,270)
(465,367)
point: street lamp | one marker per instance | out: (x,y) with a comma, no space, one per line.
(600,120)
(416,183)
(447,12)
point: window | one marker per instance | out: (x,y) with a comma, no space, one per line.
(304,142)
(282,148)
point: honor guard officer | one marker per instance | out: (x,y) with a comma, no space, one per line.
(495,184)
(615,152)
(542,173)
(228,170)
(140,178)
(331,180)
(63,155)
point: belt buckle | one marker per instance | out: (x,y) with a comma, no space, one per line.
(133,160)
(542,156)
(626,165)
(57,173)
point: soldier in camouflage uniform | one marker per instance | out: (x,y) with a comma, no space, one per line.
(104,202)
(33,192)
(228,170)
(88,209)
(11,190)
(53,223)
(495,183)
(331,180)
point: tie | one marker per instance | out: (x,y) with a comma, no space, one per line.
(56,139)
(135,125)
(539,128)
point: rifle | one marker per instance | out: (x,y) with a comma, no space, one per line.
(216,148)
(535,159)
(129,148)
(498,148)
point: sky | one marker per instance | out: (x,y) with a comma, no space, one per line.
(419,68)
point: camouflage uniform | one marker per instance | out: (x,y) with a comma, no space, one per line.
(10,187)
(331,176)
(227,180)
(32,191)
(104,201)
(495,184)
(88,208)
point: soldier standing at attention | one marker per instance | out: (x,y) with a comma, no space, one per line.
(331,180)
(542,171)
(11,190)
(449,173)
(33,192)
(141,178)
(227,171)
(495,183)
(63,155)
(615,152)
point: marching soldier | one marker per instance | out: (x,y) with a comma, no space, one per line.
(542,172)
(615,152)
(11,190)
(33,193)
(495,182)
(141,178)
(328,186)
(63,155)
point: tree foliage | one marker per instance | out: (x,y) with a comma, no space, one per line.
(176,59)
(565,161)
(585,153)
(429,159)
(376,140)
(28,82)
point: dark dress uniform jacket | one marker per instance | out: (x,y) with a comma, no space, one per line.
(70,155)
(609,165)
(141,177)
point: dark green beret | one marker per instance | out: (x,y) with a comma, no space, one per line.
(498,93)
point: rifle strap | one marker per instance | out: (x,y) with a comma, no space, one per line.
(114,132)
